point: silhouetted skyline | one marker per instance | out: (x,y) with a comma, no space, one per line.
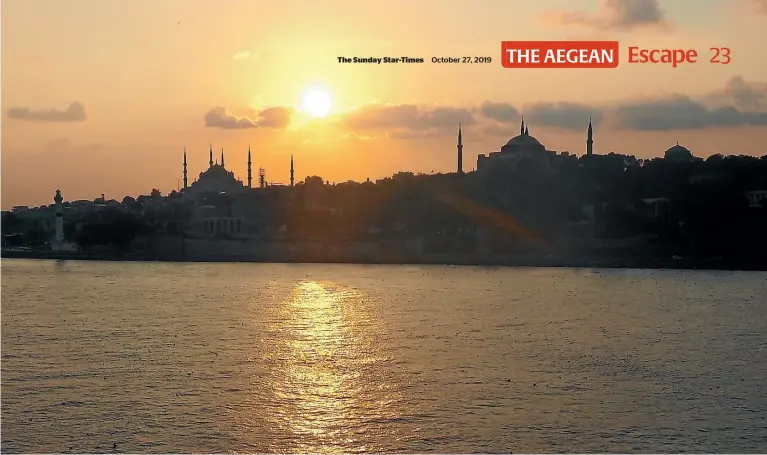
(248,84)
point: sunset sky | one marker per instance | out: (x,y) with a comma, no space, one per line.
(102,96)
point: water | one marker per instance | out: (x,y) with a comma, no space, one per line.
(154,357)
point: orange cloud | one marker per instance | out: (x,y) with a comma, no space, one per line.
(74,113)
(738,103)
(613,15)
(761,5)
(358,137)
(246,54)
(273,117)
(406,120)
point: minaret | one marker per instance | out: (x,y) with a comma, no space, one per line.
(522,128)
(460,150)
(590,140)
(59,211)
(291,170)
(185,168)
(222,157)
(211,156)
(250,174)
(527,132)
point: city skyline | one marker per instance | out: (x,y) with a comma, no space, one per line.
(114,115)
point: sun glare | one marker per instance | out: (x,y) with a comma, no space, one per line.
(317,103)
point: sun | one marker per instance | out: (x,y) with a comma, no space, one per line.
(317,102)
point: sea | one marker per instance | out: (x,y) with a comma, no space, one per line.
(151,357)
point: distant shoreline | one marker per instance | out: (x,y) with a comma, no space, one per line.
(494,261)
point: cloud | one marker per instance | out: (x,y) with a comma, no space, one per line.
(74,113)
(500,131)
(246,54)
(273,117)
(557,115)
(680,112)
(739,103)
(407,120)
(219,117)
(358,137)
(761,5)
(614,15)
(501,112)
(563,115)
(741,94)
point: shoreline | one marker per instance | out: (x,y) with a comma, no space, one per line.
(454,260)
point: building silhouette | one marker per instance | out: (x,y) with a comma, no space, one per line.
(524,150)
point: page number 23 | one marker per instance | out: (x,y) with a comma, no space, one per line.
(721,55)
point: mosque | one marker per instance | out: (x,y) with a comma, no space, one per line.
(524,150)
(680,154)
(235,209)
(217,179)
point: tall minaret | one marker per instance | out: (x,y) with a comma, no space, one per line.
(211,156)
(291,171)
(59,211)
(522,128)
(222,157)
(460,150)
(185,181)
(590,140)
(250,174)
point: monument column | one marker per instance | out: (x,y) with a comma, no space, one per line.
(250,175)
(291,170)
(460,151)
(59,210)
(185,178)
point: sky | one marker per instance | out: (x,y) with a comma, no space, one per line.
(103,96)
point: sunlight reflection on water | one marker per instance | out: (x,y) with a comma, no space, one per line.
(325,376)
(327,388)
(140,357)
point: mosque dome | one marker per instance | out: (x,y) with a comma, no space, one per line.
(678,153)
(523,141)
(216,170)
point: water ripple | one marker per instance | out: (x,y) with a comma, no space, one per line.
(124,357)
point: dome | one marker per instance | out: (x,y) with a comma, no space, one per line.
(523,143)
(677,153)
(523,140)
(216,169)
